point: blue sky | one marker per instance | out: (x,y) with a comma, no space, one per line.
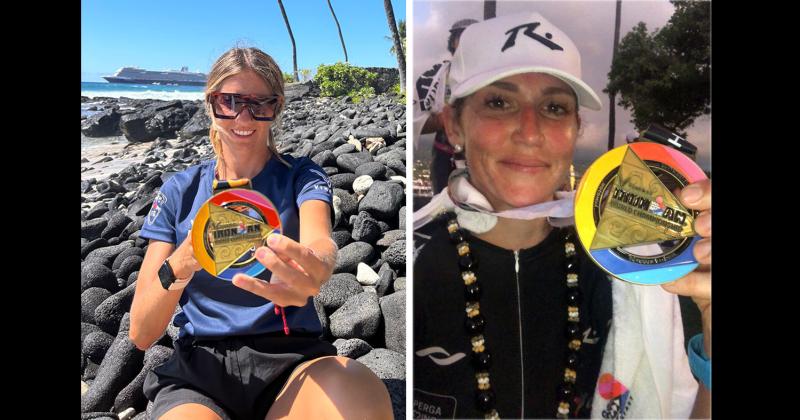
(159,35)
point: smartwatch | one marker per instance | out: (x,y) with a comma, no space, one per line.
(168,279)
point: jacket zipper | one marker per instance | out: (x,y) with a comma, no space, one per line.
(521,353)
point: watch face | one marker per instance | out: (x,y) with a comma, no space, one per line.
(166,275)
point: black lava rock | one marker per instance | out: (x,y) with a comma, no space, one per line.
(395,254)
(91,298)
(92,245)
(110,252)
(358,317)
(341,237)
(342,181)
(376,170)
(391,237)
(393,310)
(335,292)
(116,225)
(110,312)
(365,228)
(383,200)
(132,395)
(130,265)
(102,124)
(125,254)
(352,348)
(352,254)
(387,276)
(95,346)
(351,161)
(387,364)
(91,229)
(120,365)
(96,275)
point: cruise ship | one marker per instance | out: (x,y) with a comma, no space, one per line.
(148,77)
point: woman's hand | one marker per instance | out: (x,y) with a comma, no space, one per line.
(297,272)
(697,284)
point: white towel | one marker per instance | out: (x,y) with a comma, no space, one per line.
(645,371)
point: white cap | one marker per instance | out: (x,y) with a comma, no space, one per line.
(523,43)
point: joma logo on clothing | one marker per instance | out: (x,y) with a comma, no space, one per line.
(529,31)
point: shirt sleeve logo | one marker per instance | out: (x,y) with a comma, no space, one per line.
(155,210)
(327,187)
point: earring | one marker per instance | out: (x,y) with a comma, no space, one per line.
(458,148)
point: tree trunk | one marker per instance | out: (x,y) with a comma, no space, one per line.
(341,38)
(398,46)
(489,9)
(612,95)
(294,48)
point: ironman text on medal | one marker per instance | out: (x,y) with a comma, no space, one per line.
(229,227)
(628,217)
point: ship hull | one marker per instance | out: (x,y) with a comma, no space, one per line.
(111,79)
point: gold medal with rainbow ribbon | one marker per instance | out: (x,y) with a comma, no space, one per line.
(230,226)
(629,218)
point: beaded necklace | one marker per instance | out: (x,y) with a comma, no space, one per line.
(475,324)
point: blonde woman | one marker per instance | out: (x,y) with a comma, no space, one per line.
(237,357)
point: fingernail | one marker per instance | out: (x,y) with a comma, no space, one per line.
(273,239)
(702,249)
(261,253)
(692,194)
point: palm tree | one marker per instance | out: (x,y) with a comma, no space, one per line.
(398,46)
(294,48)
(401,29)
(612,94)
(341,38)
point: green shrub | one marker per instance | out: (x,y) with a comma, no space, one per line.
(396,90)
(288,78)
(361,94)
(344,79)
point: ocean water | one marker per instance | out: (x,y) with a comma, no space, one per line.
(136,91)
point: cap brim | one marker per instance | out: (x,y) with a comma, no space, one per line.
(586,96)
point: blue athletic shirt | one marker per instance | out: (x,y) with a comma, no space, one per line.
(213,307)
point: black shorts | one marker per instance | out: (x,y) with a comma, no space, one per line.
(236,377)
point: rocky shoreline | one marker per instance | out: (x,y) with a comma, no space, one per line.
(361,308)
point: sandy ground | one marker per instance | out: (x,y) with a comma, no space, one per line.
(118,148)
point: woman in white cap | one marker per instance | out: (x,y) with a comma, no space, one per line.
(493,335)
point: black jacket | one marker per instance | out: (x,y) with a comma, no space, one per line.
(528,303)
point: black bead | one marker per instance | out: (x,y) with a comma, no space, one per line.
(565,392)
(457,237)
(473,292)
(475,324)
(573,330)
(572,360)
(572,264)
(467,262)
(482,360)
(574,297)
(484,399)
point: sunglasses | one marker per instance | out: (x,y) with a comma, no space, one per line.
(229,105)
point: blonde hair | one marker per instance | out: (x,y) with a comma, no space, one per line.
(235,61)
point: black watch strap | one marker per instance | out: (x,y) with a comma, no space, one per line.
(166,275)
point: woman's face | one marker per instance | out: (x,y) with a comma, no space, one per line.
(243,131)
(519,135)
